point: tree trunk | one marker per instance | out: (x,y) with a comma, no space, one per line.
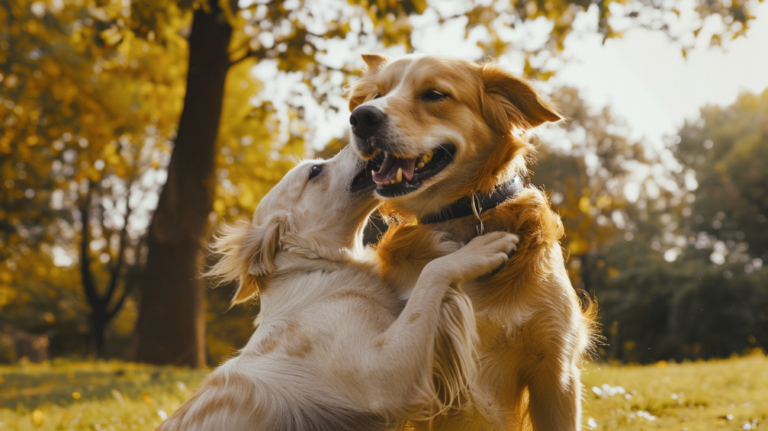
(171,324)
(99,323)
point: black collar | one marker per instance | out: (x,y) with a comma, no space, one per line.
(484,201)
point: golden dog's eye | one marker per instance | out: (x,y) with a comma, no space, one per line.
(315,171)
(377,95)
(433,96)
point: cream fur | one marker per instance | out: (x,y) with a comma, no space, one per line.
(334,348)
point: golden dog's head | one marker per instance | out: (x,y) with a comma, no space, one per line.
(320,205)
(440,128)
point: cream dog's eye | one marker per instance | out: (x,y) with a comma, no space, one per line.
(377,95)
(433,96)
(315,171)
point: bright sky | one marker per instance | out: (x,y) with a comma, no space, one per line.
(642,76)
(645,79)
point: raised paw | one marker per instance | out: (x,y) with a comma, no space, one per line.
(480,256)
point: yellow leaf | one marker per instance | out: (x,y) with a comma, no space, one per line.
(603,201)
(584,204)
(219,207)
(578,246)
(111,35)
(37,418)
(420,5)
(109,150)
(113,159)
(246,198)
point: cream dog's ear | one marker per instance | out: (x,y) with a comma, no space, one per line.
(247,252)
(262,242)
(511,101)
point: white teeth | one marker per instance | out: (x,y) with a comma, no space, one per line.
(420,165)
(398,178)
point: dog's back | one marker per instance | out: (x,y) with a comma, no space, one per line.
(230,400)
(278,381)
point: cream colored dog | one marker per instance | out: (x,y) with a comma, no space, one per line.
(334,349)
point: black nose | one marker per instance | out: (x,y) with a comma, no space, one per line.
(365,120)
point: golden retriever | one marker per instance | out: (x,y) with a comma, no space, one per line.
(450,140)
(334,349)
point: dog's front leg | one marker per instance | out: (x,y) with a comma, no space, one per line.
(405,349)
(555,404)
(552,342)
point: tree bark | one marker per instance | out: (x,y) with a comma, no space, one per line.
(171,324)
(99,323)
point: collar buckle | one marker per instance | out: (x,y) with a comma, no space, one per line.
(477,209)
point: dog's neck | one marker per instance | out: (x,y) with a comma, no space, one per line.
(476,203)
(308,248)
(325,241)
(303,267)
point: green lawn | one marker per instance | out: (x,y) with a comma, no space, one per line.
(728,395)
(714,395)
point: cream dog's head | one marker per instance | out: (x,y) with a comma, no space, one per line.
(440,128)
(318,204)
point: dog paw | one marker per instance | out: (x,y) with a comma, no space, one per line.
(480,256)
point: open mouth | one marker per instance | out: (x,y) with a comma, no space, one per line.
(363,180)
(397,176)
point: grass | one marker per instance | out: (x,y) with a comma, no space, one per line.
(720,394)
(701,396)
(91,396)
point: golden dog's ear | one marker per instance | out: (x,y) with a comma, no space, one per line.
(366,87)
(374,61)
(247,252)
(511,101)
(360,91)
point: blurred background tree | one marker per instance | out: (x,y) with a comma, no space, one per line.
(91,144)
(675,254)
(83,103)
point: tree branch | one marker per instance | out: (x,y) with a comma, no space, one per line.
(115,270)
(246,56)
(89,285)
(119,304)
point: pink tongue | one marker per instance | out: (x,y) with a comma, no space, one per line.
(389,168)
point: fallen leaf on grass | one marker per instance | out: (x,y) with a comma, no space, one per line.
(37,418)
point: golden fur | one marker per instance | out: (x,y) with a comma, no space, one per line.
(334,348)
(532,330)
